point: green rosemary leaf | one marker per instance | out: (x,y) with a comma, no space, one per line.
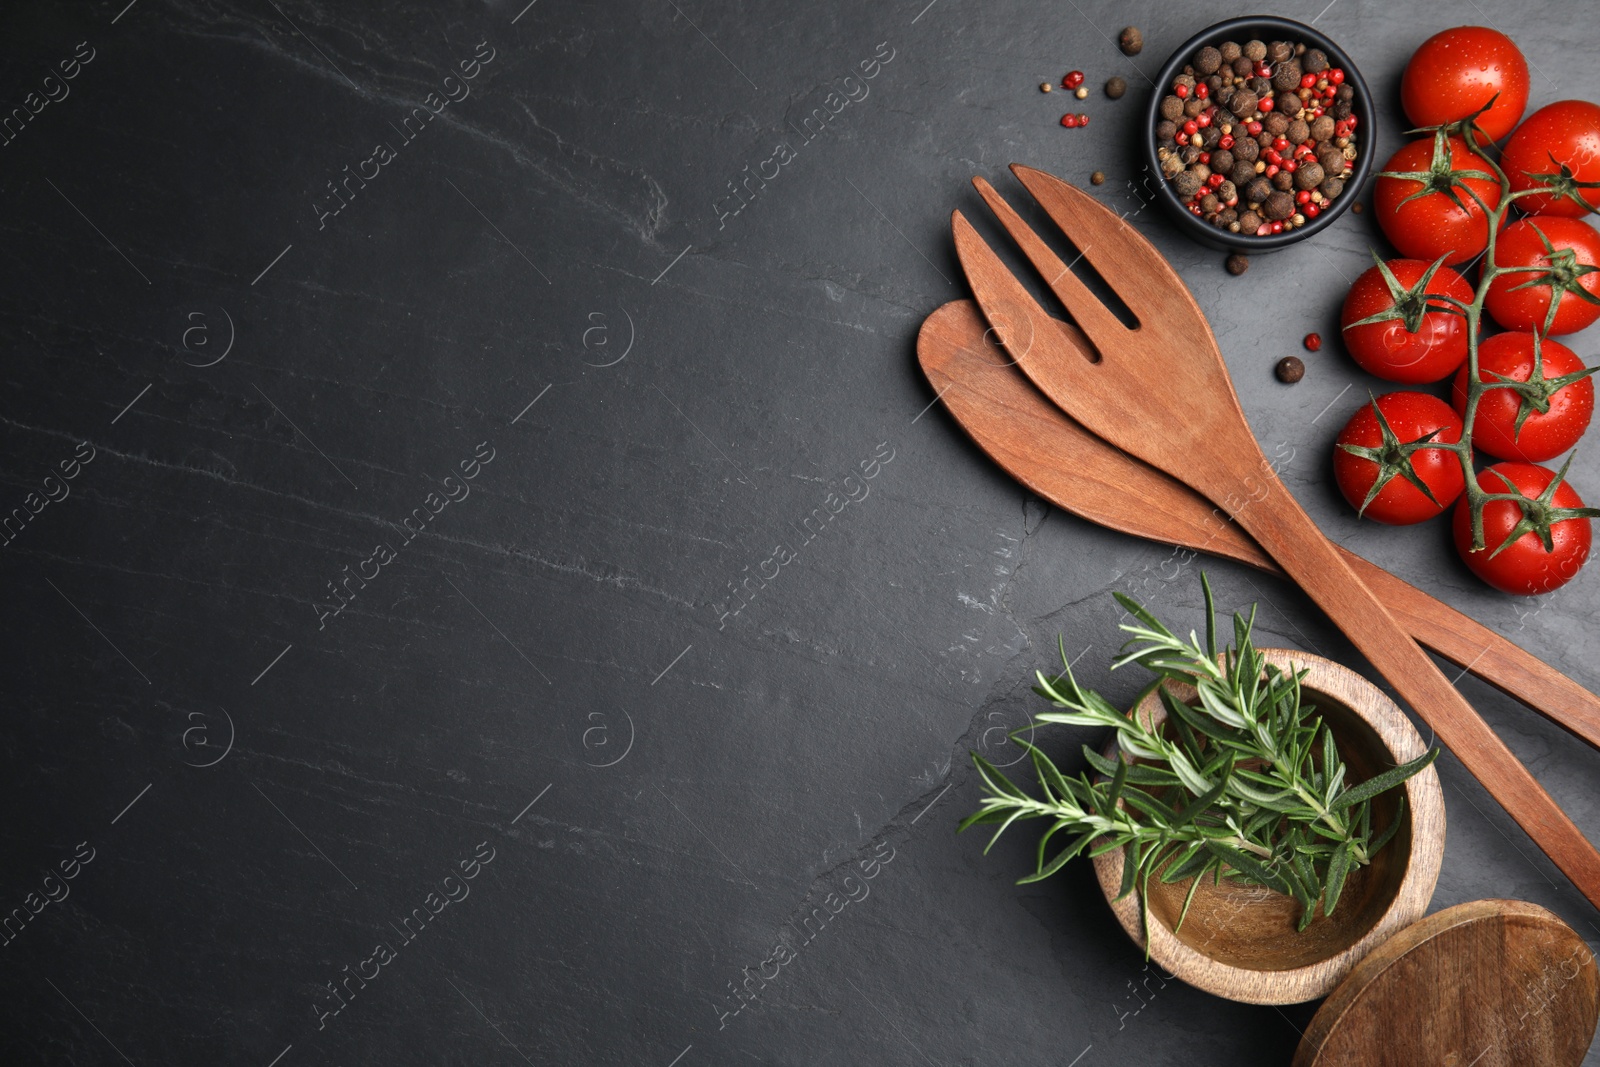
(1130,868)
(1211,617)
(1202,802)
(1138,773)
(1338,868)
(1389,832)
(1248,866)
(1385,781)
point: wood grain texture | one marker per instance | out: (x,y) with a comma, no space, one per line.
(1490,983)
(1192,427)
(1055,457)
(1240,941)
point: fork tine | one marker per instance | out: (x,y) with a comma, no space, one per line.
(1108,241)
(1092,316)
(1031,336)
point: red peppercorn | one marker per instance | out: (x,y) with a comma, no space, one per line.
(1205,157)
(1336,76)
(1272,170)
(1072,80)
(1264,229)
(1271,156)
(1069,121)
(1307,81)
(1195,208)
(1263,69)
(1341,129)
(1303,196)
(1352,121)
(1083,120)
(1277,227)
(1290,165)
(1216,180)
(1313,342)
(1202,90)
(1181,92)
(1311,211)
(1253,128)
(1227,141)
(1265,105)
(1191,127)
(1280,143)
(1202,120)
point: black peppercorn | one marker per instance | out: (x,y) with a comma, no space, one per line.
(1166,130)
(1315,61)
(1309,176)
(1244,102)
(1207,60)
(1230,51)
(1258,189)
(1097,178)
(1242,174)
(1249,222)
(1331,188)
(1276,123)
(1222,161)
(1246,149)
(1238,262)
(1187,184)
(1298,132)
(1279,51)
(1131,41)
(1285,181)
(1279,206)
(1243,68)
(1171,108)
(1255,51)
(1286,79)
(1115,87)
(1290,369)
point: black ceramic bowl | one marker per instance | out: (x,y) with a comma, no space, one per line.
(1265,28)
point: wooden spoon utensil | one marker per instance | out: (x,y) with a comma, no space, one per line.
(1161,391)
(1063,463)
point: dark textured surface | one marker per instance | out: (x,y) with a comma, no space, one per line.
(698,783)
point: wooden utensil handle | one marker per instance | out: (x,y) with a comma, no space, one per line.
(1474,647)
(1277,522)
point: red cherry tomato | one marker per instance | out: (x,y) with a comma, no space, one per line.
(1410,416)
(1523,567)
(1456,72)
(1569,131)
(1389,348)
(1432,225)
(1544,435)
(1576,245)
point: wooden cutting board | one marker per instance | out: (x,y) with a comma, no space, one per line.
(1492,983)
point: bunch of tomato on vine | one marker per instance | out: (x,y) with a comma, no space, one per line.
(1519,397)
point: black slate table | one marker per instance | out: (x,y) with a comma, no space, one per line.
(516,599)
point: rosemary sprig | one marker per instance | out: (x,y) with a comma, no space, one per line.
(1247,784)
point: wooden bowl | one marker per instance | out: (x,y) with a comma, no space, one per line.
(1239,941)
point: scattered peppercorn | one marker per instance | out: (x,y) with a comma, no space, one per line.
(1238,263)
(1073,79)
(1290,370)
(1356,207)
(1115,87)
(1313,342)
(1045,87)
(1080,92)
(1097,178)
(1131,41)
(1083,120)
(1069,121)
